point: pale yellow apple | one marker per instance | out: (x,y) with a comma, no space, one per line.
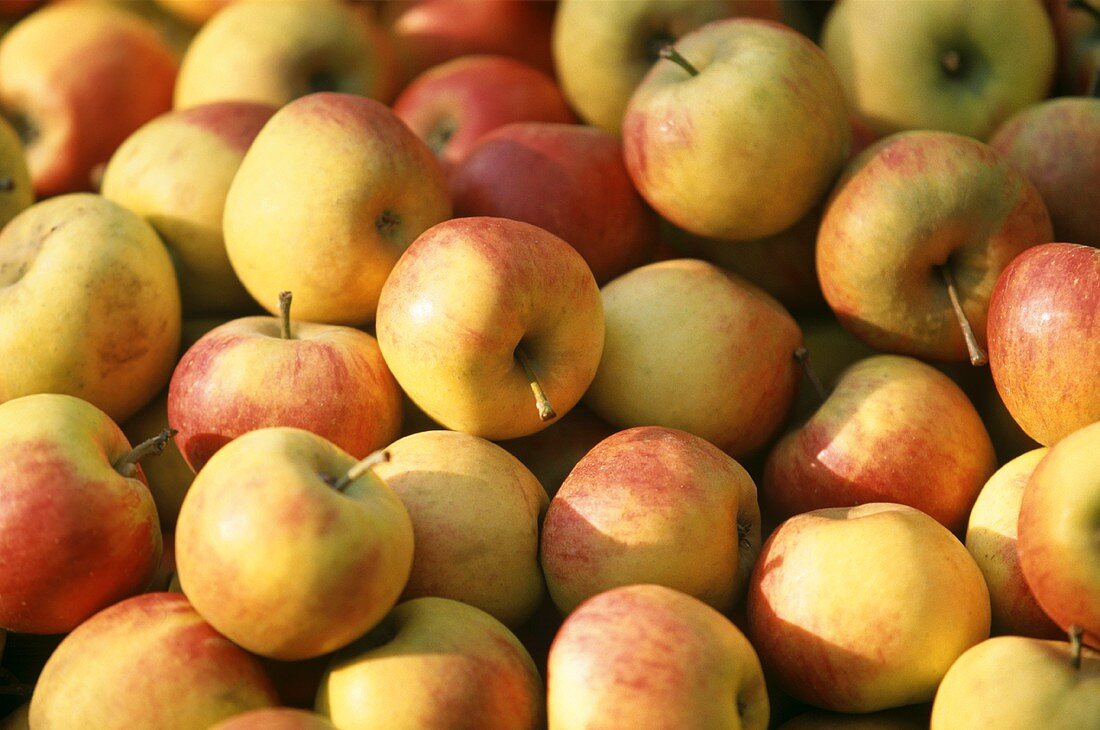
(16,192)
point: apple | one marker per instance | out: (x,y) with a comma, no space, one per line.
(950,65)
(652,505)
(90,304)
(275,718)
(192,12)
(286,549)
(1057,144)
(330,193)
(1077,28)
(1012,682)
(650,656)
(18,719)
(859,609)
(149,661)
(830,350)
(256,372)
(175,172)
(566,178)
(725,367)
(275,52)
(75,80)
(434,662)
(16,192)
(481,314)
(717,102)
(991,537)
(894,429)
(1059,554)
(914,236)
(1043,353)
(603,49)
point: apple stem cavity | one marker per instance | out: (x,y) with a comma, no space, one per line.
(952,63)
(669,53)
(802,355)
(1076,638)
(977,354)
(546,411)
(127,465)
(284,314)
(360,468)
(1085,6)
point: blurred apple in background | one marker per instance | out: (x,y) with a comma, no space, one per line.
(720,101)
(75,80)
(960,66)
(649,656)
(275,52)
(566,178)
(90,304)
(193,12)
(330,193)
(1077,31)
(275,718)
(188,675)
(724,369)
(16,192)
(913,212)
(434,662)
(603,48)
(492,326)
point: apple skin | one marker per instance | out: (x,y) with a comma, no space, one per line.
(330,178)
(190,676)
(1056,539)
(275,718)
(650,656)
(652,505)
(452,105)
(991,537)
(279,51)
(1043,351)
(16,192)
(1056,143)
(852,629)
(351,551)
(909,203)
(242,376)
(434,662)
(892,60)
(175,172)
(463,298)
(81,77)
(1016,682)
(894,429)
(707,319)
(475,511)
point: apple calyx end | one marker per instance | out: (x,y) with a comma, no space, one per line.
(669,53)
(127,465)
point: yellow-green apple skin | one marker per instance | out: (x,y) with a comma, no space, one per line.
(275,718)
(652,505)
(152,662)
(280,561)
(16,192)
(90,302)
(603,49)
(434,663)
(1016,682)
(175,172)
(1044,339)
(954,65)
(76,534)
(275,52)
(859,609)
(1056,538)
(726,371)
(894,429)
(475,512)
(460,302)
(906,206)
(991,537)
(332,190)
(653,657)
(245,375)
(766,101)
(78,78)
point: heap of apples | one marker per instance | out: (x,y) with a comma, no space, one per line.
(589,364)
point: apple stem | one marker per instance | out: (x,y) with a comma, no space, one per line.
(670,53)
(977,354)
(802,355)
(546,411)
(360,468)
(1076,637)
(284,314)
(1082,5)
(127,465)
